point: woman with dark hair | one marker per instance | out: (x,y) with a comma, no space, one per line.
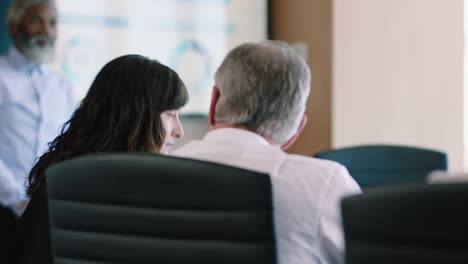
(133,106)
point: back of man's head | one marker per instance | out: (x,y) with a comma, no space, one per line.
(18,7)
(264,86)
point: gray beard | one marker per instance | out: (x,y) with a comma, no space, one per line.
(35,52)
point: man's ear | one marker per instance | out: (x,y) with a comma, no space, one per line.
(214,100)
(298,132)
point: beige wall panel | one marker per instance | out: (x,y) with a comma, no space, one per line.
(398,74)
(309,21)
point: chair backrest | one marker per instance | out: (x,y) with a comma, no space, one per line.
(413,223)
(376,165)
(148,208)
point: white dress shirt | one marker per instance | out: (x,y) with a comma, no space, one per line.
(34,103)
(306,192)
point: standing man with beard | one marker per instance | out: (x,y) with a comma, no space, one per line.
(34,100)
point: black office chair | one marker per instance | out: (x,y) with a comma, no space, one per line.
(378,165)
(148,208)
(414,223)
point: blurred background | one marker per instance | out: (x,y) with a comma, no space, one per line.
(384,71)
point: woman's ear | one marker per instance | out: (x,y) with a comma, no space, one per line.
(214,100)
(291,141)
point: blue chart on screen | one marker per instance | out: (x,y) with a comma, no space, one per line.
(178,58)
(80,60)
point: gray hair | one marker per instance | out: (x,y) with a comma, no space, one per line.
(264,86)
(17,8)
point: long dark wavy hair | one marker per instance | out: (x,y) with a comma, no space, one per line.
(121,112)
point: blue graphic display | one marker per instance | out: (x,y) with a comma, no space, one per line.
(190,36)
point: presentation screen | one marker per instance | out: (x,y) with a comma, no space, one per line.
(190,36)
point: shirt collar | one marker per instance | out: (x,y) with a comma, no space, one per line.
(20,62)
(238,136)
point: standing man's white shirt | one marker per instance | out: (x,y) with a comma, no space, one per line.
(34,103)
(306,192)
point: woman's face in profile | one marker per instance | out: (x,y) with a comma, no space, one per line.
(173,129)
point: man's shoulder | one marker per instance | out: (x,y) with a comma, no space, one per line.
(270,156)
(3,57)
(307,161)
(5,65)
(6,71)
(57,77)
(326,170)
(52,71)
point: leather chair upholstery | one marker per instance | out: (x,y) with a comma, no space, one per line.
(377,165)
(148,208)
(416,223)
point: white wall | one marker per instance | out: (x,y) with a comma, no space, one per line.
(398,74)
(195,128)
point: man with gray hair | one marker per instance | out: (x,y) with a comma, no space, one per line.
(257,109)
(34,100)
